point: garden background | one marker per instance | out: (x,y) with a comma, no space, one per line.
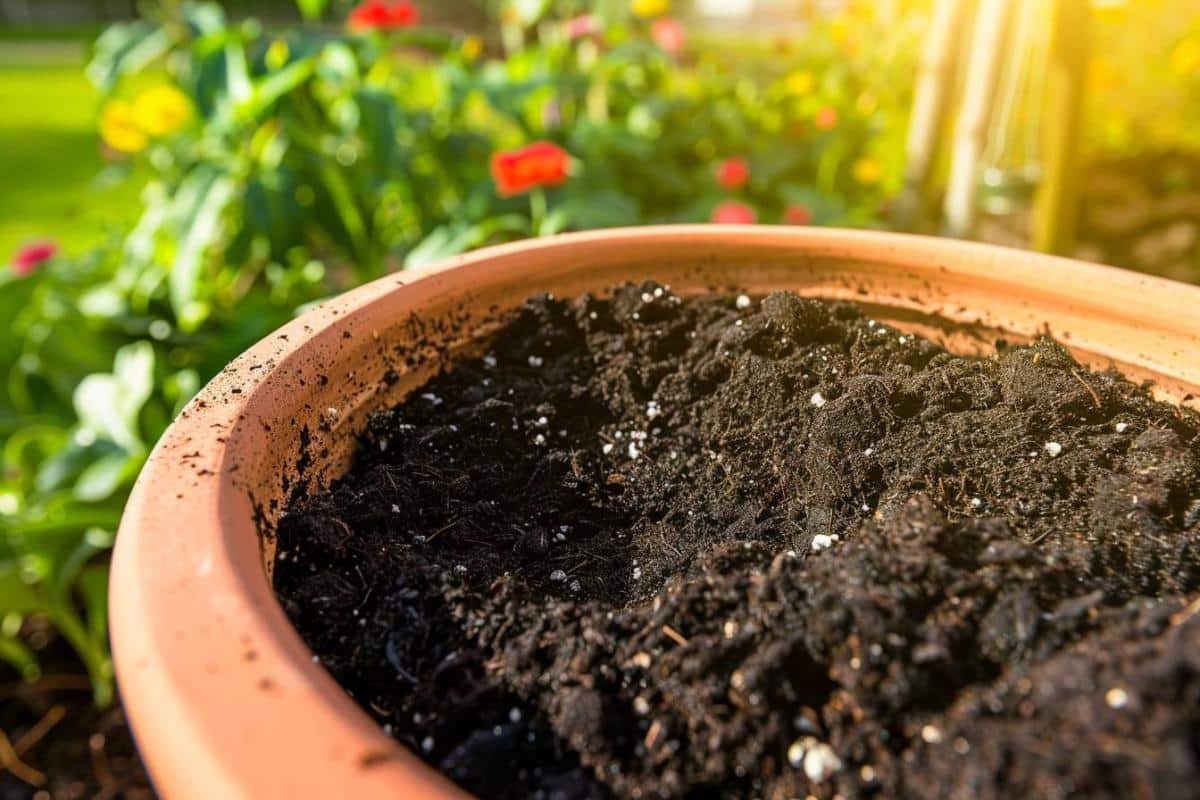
(181,177)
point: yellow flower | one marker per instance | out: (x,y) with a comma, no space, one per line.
(1101,74)
(118,128)
(867,171)
(1109,12)
(650,8)
(867,103)
(161,110)
(472,47)
(1185,58)
(839,29)
(800,82)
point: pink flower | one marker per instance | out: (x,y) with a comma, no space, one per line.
(732,173)
(669,34)
(581,26)
(797,214)
(32,256)
(826,119)
(732,212)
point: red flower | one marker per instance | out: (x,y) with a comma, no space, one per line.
(732,173)
(797,214)
(538,164)
(732,212)
(32,256)
(826,118)
(381,15)
(669,35)
(580,26)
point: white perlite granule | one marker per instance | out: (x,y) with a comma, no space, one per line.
(818,759)
(821,763)
(821,542)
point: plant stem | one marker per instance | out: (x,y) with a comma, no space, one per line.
(827,168)
(537,210)
(98,665)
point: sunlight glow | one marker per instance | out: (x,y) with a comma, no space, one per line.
(725,8)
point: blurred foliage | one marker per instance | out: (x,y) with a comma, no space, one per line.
(1144,76)
(55,180)
(287,165)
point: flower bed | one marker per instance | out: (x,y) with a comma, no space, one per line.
(287,165)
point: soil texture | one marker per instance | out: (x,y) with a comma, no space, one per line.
(769,548)
(55,744)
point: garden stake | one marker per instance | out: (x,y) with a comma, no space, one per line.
(1057,201)
(939,60)
(983,68)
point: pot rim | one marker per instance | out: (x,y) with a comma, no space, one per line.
(225,698)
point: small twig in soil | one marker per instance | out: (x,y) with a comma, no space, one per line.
(12,762)
(1038,539)
(43,726)
(1088,386)
(652,734)
(100,768)
(1186,613)
(675,635)
(47,683)
(441,530)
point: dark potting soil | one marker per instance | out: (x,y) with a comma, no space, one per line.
(57,745)
(723,547)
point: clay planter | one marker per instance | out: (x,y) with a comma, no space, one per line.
(224,697)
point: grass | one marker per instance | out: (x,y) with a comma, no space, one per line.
(55,185)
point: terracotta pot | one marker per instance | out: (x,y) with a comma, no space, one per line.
(224,697)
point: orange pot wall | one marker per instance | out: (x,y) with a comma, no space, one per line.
(224,697)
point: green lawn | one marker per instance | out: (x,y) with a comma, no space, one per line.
(50,162)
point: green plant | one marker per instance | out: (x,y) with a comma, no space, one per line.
(286,165)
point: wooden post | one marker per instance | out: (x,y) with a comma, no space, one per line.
(987,50)
(1056,205)
(935,83)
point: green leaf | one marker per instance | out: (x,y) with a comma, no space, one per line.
(337,63)
(16,653)
(93,588)
(441,242)
(205,19)
(97,400)
(134,369)
(124,49)
(555,222)
(62,467)
(237,73)
(101,479)
(18,596)
(204,198)
(275,85)
(530,12)
(454,238)
(312,10)
(68,569)
(108,405)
